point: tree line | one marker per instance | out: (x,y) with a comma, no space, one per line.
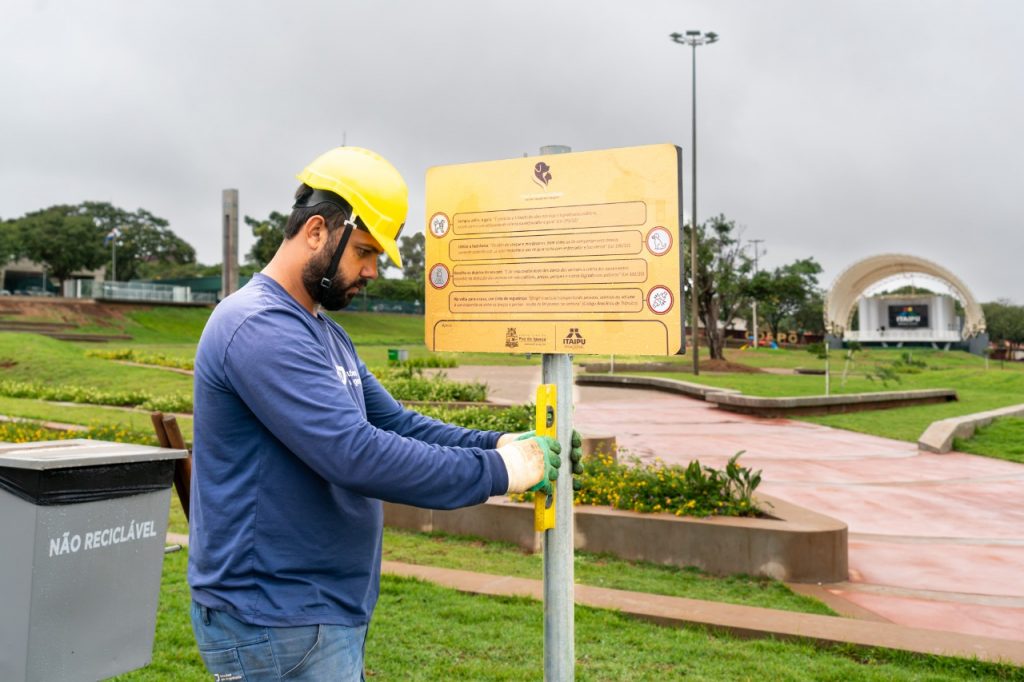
(788,296)
(68,238)
(269,234)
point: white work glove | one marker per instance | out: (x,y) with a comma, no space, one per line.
(531,463)
(575,452)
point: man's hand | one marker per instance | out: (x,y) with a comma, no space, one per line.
(532,463)
(575,453)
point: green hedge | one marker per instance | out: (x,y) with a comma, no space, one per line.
(407,383)
(505,420)
(158,359)
(175,402)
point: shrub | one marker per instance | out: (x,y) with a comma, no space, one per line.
(424,362)
(505,419)
(177,402)
(27,432)
(407,383)
(174,402)
(694,490)
(132,355)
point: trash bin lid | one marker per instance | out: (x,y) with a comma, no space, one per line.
(79,452)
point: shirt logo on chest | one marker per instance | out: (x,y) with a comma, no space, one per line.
(348,376)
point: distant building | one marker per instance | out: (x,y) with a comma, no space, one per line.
(898,320)
(27,278)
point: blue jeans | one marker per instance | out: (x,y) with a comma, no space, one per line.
(234,651)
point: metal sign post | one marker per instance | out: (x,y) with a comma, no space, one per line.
(559,618)
(560,254)
(559,598)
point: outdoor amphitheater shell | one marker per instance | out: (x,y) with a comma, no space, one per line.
(849,288)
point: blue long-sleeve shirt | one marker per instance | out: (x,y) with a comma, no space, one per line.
(296,443)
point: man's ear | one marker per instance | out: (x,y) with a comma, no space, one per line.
(315,232)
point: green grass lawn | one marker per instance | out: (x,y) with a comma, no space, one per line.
(979,389)
(424,632)
(86,415)
(499,558)
(42,360)
(1003,438)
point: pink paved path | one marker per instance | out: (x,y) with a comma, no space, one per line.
(936,541)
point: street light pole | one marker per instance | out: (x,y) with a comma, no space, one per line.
(693,39)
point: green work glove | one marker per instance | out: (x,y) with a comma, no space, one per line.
(531,463)
(552,449)
(575,455)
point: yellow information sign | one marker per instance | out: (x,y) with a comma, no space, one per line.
(567,253)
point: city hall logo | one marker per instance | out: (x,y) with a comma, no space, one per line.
(574,338)
(542,174)
(511,338)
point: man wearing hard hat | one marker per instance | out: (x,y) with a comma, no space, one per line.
(296,444)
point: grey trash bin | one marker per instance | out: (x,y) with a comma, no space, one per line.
(82,532)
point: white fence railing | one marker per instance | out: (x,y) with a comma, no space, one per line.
(139,291)
(904,336)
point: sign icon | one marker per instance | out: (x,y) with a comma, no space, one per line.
(659,300)
(574,338)
(439,224)
(542,174)
(439,276)
(659,241)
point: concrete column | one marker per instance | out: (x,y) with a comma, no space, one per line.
(229,218)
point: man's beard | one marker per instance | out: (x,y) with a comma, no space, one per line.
(340,293)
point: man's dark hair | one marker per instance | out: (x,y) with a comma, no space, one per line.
(333,214)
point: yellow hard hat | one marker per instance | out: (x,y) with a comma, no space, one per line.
(373,187)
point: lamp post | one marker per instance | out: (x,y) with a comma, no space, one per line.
(112,237)
(693,39)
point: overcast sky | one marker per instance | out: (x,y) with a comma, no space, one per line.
(837,130)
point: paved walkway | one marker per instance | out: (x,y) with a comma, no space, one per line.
(936,541)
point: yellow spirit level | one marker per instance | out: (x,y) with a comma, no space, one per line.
(546,425)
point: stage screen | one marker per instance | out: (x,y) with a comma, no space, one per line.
(908,316)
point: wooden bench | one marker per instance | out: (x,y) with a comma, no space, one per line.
(169,436)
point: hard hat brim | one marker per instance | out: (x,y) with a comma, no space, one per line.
(389,246)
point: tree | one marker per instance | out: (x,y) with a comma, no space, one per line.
(413,256)
(144,240)
(62,240)
(412,250)
(9,241)
(723,275)
(1004,322)
(395,289)
(781,292)
(160,271)
(269,234)
(810,316)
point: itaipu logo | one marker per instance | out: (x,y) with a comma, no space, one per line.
(542,174)
(574,338)
(908,317)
